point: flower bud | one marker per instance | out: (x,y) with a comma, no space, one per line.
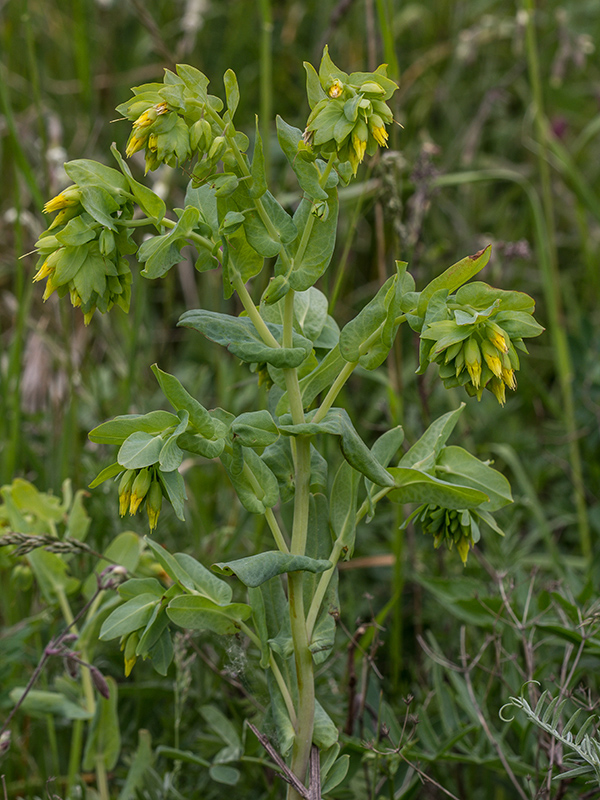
(154,503)
(125,486)
(100,682)
(473,361)
(497,336)
(492,359)
(139,489)
(278,287)
(70,196)
(129,655)
(217,148)
(336,88)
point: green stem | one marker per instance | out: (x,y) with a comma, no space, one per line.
(248,303)
(102,778)
(552,287)
(334,390)
(285,692)
(276,531)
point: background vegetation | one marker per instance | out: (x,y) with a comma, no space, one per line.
(500,143)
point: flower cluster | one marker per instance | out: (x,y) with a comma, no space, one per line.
(83,257)
(137,485)
(170,121)
(349,112)
(474,336)
(449,526)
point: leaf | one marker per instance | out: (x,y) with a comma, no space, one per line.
(160,253)
(255,486)
(228,776)
(172,483)
(256,570)
(454,276)
(162,653)
(150,203)
(222,726)
(103,744)
(232,91)
(241,338)
(355,451)
(180,399)
(424,453)
(281,718)
(43,702)
(171,455)
(310,312)
(201,614)
(142,761)
(312,262)
(116,430)
(131,616)
(344,494)
(325,733)
(99,204)
(307,172)
(86,172)
(458,466)
(337,774)
(414,486)
(51,574)
(255,429)
(204,580)
(172,566)
(140,450)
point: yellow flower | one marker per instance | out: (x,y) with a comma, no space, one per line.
(47,267)
(139,489)
(472,355)
(154,503)
(336,88)
(69,197)
(135,143)
(496,336)
(492,359)
(496,386)
(463,547)
(380,135)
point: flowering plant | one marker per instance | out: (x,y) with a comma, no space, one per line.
(286,600)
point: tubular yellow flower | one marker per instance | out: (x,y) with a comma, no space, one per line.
(473,361)
(496,386)
(47,267)
(496,336)
(139,489)
(135,143)
(378,130)
(336,88)
(154,503)
(125,491)
(490,353)
(69,197)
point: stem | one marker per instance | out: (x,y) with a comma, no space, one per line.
(285,692)
(276,531)
(334,390)
(266,79)
(562,355)
(248,303)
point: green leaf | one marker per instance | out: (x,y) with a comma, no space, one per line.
(355,451)
(207,448)
(424,453)
(256,570)
(325,733)
(232,91)
(171,565)
(337,774)
(171,455)
(281,718)
(481,295)
(174,486)
(141,763)
(223,727)
(518,324)
(310,312)
(151,204)
(131,616)
(160,253)
(162,653)
(85,172)
(314,89)
(310,264)
(116,430)
(195,81)
(414,486)
(201,614)
(255,429)
(241,338)
(140,450)
(456,465)
(307,172)
(205,581)
(384,449)
(99,204)
(344,494)
(358,330)
(77,231)
(454,276)
(256,486)
(44,702)
(51,574)
(137,586)
(104,738)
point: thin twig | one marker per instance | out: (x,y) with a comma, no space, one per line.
(286,772)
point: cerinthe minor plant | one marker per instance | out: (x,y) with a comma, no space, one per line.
(286,598)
